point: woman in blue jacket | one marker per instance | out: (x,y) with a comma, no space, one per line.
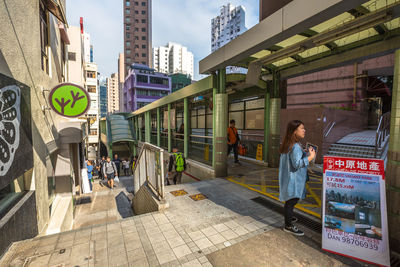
(293,172)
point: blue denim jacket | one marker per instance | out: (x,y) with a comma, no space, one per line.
(293,174)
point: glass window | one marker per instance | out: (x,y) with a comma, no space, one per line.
(143,3)
(143,29)
(253,104)
(128,43)
(255,119)
(127,11)
(144,46)
(128,27)
(136,29)
(141,79)
(128,20)
(136,3)
(127,3)
(143,12)
(91,74)
(136,12)
(238,117)
(144,38)
(143,21)
(44,38)
(236,106)
(72,56)
(91,88)
(136,37)
(143,55)
(128,35)
(159,80)
(128,51)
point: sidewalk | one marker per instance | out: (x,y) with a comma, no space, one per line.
(104,205)
(184,235)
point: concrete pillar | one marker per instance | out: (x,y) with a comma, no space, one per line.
(140,128)
(221,125)
(186,126)
(158,128)
(266,125)
(274,122)
(393,161)
(147,127)
(169,129)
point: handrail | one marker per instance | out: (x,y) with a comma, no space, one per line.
(149,168)
(382,131)
(201,136)
(333,125)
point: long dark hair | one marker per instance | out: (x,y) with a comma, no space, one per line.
(290,137)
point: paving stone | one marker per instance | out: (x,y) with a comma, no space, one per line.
(227,244)
(202,259)
(229,234)
(196,235)
(139,263)
(203,243)
(209,231)
(193,263)
(136,254)
(216,239)
(175,242)
(220,227)
(181,251)
(166,256)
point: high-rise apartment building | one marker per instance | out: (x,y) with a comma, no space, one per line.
(137,33)
(93,112)
(227,26)
(113,93)
(103,97)
(121,80)
(173,58)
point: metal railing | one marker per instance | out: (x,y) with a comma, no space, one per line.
(330,126)
(149,168)
(382,131)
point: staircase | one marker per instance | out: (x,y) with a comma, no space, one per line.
(365,144)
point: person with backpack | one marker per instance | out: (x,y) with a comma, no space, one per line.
(233,140)
(176,166)
(89,168)
(110,171)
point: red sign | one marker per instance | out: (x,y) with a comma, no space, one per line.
(357,165)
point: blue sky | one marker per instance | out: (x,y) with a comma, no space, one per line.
(183,21)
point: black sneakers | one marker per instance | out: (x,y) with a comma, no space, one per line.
(293,230)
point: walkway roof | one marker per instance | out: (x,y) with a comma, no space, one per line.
(309,35)
(119,129)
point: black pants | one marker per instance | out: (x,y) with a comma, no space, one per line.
(117,166)
(126,171)
(288,210)
(235,151)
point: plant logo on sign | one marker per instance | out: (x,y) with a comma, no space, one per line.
(69,100)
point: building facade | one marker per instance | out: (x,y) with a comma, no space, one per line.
(41,163)
(137,33)
(227,26)
(113,93)
(103,99)
(173,58)
(121,79)
(93,113)
(143,86)
(178,81)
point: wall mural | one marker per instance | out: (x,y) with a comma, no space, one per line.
(10,117)
(16,152)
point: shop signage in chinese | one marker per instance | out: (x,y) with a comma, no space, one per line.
(354,218)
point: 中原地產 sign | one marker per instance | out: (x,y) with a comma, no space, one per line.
(354,218)
(69,100)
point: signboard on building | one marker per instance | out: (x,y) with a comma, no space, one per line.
(354,219)
(16,148)
(69,100)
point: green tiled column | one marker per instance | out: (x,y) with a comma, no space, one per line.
(274,123)
(186,127)
(221,126)
(393,163)
(147,127)
(266,126)
(158,128)
(169,129)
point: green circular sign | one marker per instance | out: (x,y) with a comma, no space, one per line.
(69,100)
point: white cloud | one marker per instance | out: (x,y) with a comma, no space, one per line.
(183,21)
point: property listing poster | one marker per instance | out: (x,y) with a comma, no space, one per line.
(354,219)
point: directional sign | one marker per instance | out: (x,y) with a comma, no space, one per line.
(69,100)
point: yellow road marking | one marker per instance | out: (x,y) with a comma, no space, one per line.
(273,197)
(314,196)
(198,197)
(178,192)
(309,205)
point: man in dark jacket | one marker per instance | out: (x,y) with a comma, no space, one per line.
(117,162)
(176,166)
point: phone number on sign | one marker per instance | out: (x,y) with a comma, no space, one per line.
(359,243)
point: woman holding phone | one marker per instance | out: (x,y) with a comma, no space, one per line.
(293,172)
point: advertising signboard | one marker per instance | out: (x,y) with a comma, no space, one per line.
(354,219)
(69,100)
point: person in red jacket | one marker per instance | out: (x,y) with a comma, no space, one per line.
(233,140)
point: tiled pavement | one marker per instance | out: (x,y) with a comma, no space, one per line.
(180,236)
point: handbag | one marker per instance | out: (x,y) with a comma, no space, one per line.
(116,179)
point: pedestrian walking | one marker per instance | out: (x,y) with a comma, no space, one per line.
(293,172)
(125,166)
(99,167)
(117,162)
(176,166)
(89,168)
(133,164)
(233,140)
(110,171)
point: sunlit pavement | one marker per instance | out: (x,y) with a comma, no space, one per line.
(192,232)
